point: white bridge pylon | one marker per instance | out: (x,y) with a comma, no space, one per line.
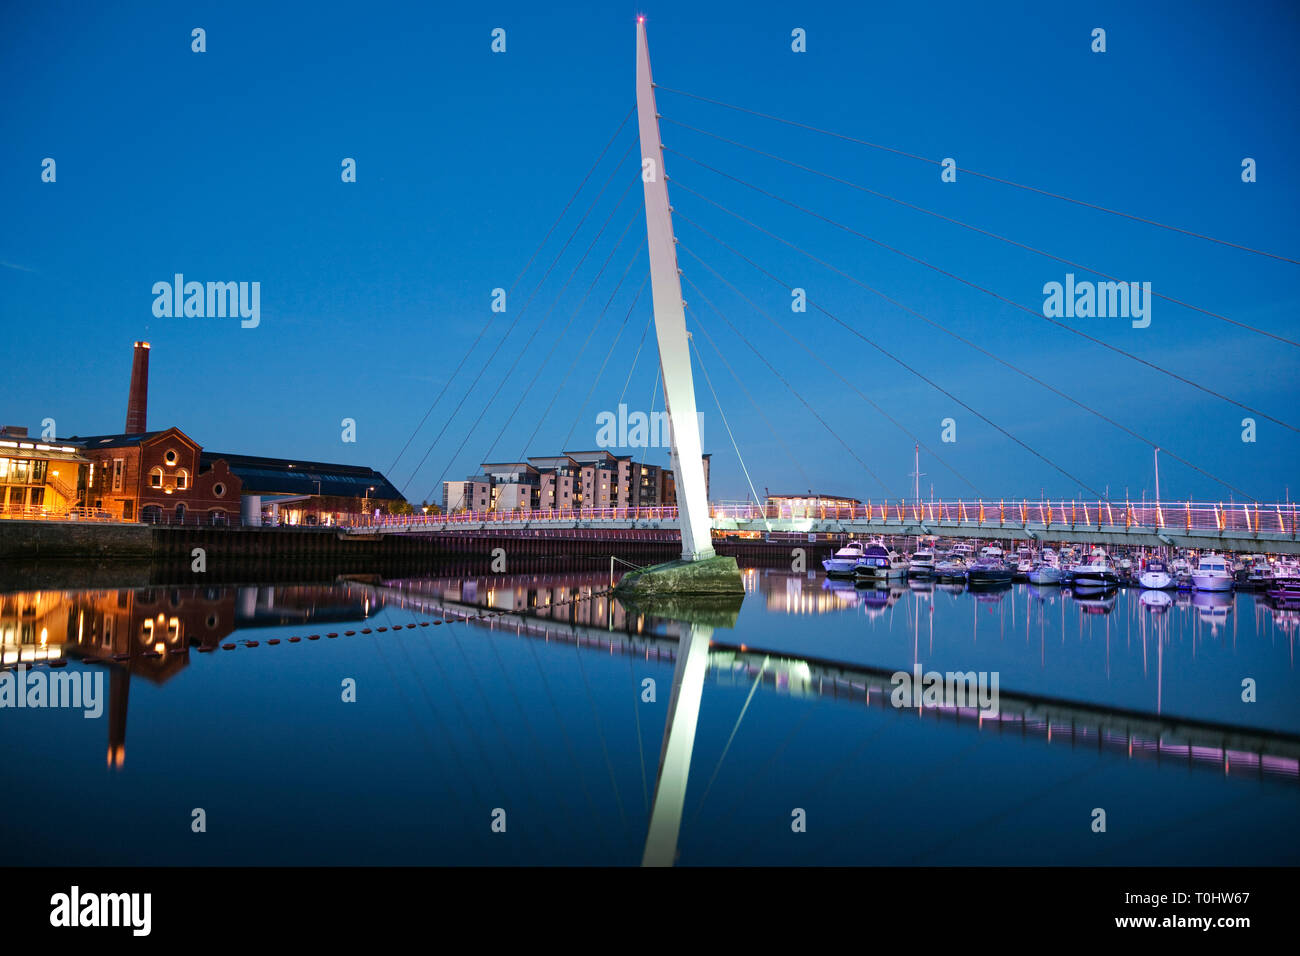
(670,320)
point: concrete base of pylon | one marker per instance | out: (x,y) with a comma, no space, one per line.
(709,576)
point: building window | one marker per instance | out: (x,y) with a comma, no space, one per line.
(117,474)
(128,510)
(219,490)
(170,456)
(155,477)
(180,514)
(182,479)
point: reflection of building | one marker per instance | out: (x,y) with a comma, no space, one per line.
(36,476)
(148,632)
(143,633)
(573,480)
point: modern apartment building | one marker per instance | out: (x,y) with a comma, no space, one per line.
(569,481)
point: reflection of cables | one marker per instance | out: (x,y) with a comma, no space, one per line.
(944,272)
(894,358)
(971,172)
(956,222)
(758,679)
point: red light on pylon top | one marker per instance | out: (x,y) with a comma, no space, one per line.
(640,19)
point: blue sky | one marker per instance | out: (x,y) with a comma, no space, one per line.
(225,166)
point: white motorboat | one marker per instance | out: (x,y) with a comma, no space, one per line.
(1156,577)
(1212,573)
(921,564)
(843,561)
(876,564)
(1181,571)
(1044,573)
(1096,571)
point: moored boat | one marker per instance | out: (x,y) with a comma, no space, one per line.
(1097,571)
(921,564)
(989,571)
(1156,576)
(843,561)
(875,564)
(1212,573)
(1047,571)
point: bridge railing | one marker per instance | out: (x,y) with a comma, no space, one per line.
(1064,514)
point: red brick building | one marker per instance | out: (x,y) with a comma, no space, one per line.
(159,477)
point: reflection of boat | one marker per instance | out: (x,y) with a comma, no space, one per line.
(1155,576)
(992,592)
(1048,597)
(1212,607)
(843,561)
(1156,601)
(955,588)
(920,585)
(1096,571)
(1212,574)
(1096,599)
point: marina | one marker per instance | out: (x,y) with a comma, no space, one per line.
(529,686)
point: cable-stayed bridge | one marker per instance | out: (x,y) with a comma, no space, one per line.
(1243,519)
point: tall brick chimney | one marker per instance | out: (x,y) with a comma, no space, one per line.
(137,402)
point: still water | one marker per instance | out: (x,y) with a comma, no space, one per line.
(536,706)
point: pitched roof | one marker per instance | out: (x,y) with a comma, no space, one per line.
(288,476)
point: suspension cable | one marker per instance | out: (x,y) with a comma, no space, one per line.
(758,408)
(723,415)
(608,353)
(894,358)
(763,312)
(520,353)
(956,222)
(500,342)
(578,355)
(971,172)
(509,292)
(793,391)
(973,285)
